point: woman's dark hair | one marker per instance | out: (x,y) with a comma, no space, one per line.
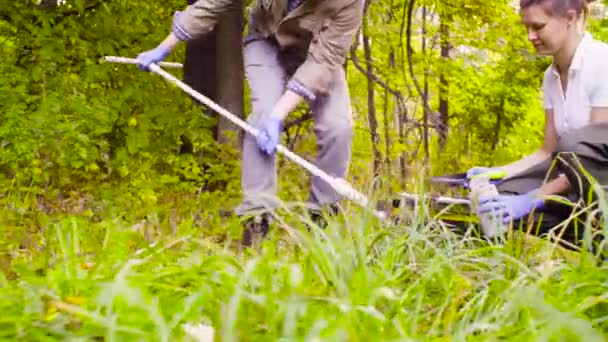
(559,7)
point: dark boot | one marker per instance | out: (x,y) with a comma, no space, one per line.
(316,216)
(255,229)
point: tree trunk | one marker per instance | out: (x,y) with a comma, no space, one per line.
(401,112)
(214,67)
(230,74)
(444,30)
(199,73)
(425,91)
(200,65)
(387,130)
(371,106)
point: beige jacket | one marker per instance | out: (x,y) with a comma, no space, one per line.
(318,32)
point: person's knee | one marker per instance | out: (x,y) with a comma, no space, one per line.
(569,150)
(568,143)
(579,150)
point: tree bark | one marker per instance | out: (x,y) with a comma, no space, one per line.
(200,65)
(214,67)
(444,30)
(425,91)
(387,130)
(230,74)
(371,106)
(401,113)
(199,73)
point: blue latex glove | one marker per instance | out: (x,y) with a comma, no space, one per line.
(270,135)
(505,208)
(155,55)
(479,170)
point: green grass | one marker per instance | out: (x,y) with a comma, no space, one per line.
(131,272)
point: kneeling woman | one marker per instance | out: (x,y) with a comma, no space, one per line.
(575,88)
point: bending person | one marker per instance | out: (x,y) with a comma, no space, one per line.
(294,51)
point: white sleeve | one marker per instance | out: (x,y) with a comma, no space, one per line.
(547,105)
(599,92)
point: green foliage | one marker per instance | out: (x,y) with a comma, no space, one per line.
(599,26)
(120,279)
(69,122)
(114,194)
(493,79)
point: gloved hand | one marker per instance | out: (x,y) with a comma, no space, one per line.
(479,170)
(155,55)
(505,208)
(270,134)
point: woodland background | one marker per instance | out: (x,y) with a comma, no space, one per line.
(116,188)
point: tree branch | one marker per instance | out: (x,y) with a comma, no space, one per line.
(374,77)
(410,51)
(298,121)
(401,47)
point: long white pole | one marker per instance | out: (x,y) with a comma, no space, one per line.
(340,185)
(125,60)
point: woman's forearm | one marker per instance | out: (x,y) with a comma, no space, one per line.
(555,187)
(526,162)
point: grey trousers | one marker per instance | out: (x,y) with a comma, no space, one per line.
(579,154)
(333,128)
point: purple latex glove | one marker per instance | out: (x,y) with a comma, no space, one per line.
(155,55)
(505,208)
(270,135)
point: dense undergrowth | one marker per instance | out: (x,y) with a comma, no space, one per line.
(115,200)
(115,271)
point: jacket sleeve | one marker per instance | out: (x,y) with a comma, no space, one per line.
(199,18)
(329,48)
